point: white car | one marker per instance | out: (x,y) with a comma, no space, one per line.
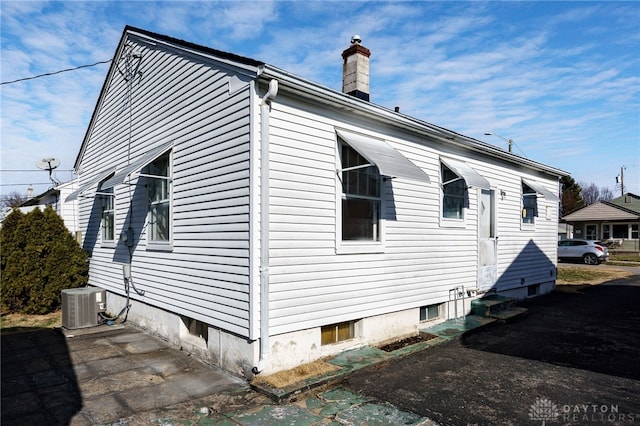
(590,252)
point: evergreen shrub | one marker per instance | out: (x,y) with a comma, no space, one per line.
(39,258)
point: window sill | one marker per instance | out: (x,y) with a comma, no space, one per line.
(359,247)
(337,347)
(527,226)
(158,246)
(108,244)
(452,223)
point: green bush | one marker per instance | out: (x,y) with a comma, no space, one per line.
(40,258)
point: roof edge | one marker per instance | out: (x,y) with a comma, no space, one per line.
(326,95)
(193,46)
(322,93)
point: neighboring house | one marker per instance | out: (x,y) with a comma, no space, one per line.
(56,197)
(565,231)
(261,220)
(615,221)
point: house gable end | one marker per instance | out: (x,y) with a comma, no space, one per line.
(628,201)
(241,69)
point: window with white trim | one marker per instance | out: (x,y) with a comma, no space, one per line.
(108,216)
(529,204)
(158,173)
(453,194)
(361,196)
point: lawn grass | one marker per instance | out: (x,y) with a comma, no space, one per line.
(285,378)
(580,275)
(624,259)
(572,275)
(14,323)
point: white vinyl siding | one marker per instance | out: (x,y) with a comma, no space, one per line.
(205,276)
(311,285)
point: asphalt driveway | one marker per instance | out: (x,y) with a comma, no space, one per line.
(574,358)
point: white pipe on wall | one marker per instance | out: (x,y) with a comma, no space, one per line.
(265,107)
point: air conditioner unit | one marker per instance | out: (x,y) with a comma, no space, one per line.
(81,307)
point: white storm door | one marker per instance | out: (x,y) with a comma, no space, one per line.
(487,241)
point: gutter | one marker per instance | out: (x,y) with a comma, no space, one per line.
(265,106)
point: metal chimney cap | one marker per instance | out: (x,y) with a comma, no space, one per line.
(356,39)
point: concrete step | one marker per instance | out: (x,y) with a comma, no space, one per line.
(508,313)
(455,327)
(492,304)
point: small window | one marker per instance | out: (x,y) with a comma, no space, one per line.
(361,200)
(453,194)
(108,217)
(529,205)
(335,333)
(159,199)
(429,312)
(196,328)
(620,231)
(532,290)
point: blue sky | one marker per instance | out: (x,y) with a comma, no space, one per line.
(562,79)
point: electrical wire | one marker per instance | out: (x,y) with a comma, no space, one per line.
(32,170)
(22,184)
(128,282)
(55,72)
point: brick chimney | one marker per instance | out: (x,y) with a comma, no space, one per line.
(355,69)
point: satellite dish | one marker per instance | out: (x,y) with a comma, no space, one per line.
(49,164)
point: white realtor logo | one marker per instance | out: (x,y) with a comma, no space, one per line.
(544,410)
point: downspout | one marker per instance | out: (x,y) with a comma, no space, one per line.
(265,106)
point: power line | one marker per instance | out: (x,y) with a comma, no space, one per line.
(55,72)
(32,170)
(24,184)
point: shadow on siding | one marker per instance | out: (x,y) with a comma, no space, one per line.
(530,267)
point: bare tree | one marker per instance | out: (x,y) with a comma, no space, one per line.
(12,199)
(590,193)
(606,194)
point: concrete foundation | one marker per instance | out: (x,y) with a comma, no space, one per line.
(212,345)
(527,292)
(238,355)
